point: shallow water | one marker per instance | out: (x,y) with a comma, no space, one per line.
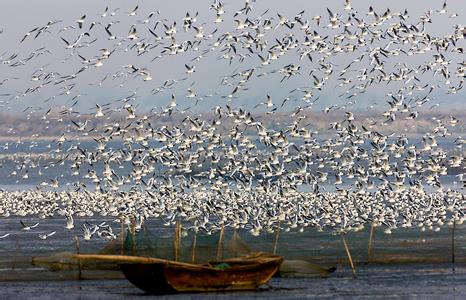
(373,281)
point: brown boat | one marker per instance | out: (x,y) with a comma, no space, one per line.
(159,276)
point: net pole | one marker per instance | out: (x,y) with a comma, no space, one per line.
(133,233)
(369,245)
(193,256)
(277,234)
(180,228)
(79,261)
(220,241)
(353,270)
(453,245)
(176,240)
(235,238)
(122,241)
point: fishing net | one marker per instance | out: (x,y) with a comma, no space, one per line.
(181,246)
(307,253)
(323,248)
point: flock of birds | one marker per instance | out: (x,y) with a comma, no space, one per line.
(233,167)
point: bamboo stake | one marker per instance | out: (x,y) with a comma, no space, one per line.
(133,236)
(235,238)
(79,261)
(122,238)
(369,246)
(349,255)
(453,245)
(220,241)
(193,256)
(176,240)
(180,232)
(149,260)
(133,259)
(276,239)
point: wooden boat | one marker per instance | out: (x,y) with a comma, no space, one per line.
(160,276)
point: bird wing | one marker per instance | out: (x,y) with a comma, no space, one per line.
(65,41)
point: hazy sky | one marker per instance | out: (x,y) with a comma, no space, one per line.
(18,17)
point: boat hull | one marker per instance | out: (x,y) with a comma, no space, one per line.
(164,278)
(147,277)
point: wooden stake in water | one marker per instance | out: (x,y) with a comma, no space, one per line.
(133,236)
(453,246)
(277,234)
(180,231)
(220,241)
(193,256)
(235,238)
(349,255)
(122,236)
(176,240)
(79,261)
(369,246)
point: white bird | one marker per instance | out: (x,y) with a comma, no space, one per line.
(71,46)
(99,113)
(134,11)
(69,222)
(104,14)
(189,70)
(25,227)
(268,103)
(4,236)
(347,5)
(87,233)
(146,76)
(444,9)
(81,21)
(173,101)
(44,236)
